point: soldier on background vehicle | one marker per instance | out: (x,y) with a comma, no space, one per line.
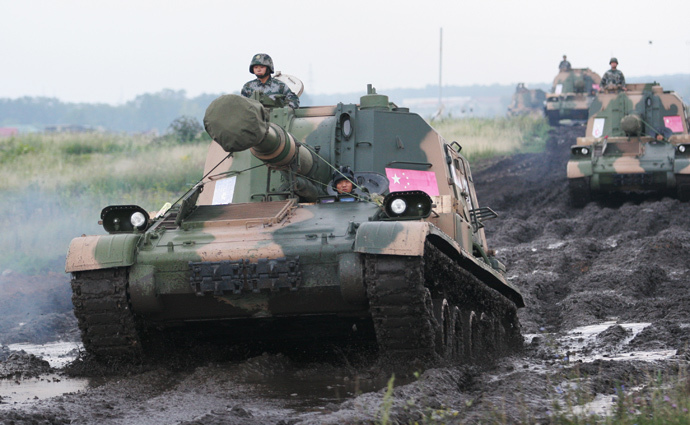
(564,65)
(613,76)
(262,66)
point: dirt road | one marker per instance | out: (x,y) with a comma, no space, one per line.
(607,289)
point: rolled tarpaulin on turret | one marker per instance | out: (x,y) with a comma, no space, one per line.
(236,123)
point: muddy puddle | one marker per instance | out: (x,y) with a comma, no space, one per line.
(25,390)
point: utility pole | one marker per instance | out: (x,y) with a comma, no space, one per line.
(439,112)
(440,70)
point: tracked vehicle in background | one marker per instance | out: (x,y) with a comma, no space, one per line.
(264,248)
(572,93)
(636,140)
(526,101)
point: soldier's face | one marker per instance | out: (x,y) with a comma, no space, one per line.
(259,70)
(614,65)
(344,186)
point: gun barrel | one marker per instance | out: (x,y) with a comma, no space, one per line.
(237,123)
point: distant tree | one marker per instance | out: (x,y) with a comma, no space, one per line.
(186,128)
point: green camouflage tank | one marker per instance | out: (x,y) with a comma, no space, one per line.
(526,101)
(571,95)
(636,140)
(265,249)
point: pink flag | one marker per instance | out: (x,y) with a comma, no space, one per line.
(674,123)
(401,180)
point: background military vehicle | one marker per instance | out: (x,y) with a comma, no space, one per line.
(526,101)
(636,140)
(263,248)
(571,94)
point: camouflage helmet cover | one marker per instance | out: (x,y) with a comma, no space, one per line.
(613,60)
(261,59)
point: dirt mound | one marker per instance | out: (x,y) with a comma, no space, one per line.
(20,364)
(612,259)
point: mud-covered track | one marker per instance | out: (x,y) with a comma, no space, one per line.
(106,321)
(429,308)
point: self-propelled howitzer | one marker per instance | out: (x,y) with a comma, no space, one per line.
(264,248)
(636,141)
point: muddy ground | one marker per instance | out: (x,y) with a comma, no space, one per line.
(607,294)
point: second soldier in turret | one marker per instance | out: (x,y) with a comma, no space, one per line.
(262,66)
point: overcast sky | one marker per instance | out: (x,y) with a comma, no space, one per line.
(112,51)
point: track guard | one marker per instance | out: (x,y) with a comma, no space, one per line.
(392,237)
(101,252)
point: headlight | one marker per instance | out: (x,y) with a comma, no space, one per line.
(124,219)
(137,219)
(580,150)
(681,148)
(408,205)
(398,206)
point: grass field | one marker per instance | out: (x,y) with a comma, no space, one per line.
(53,186)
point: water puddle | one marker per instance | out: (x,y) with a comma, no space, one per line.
(14,392)
(315,391)
(579,341)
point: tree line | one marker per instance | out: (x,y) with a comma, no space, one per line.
(156,111)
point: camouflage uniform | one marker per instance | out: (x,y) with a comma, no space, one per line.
(564,65)
(271,88)
(612,76)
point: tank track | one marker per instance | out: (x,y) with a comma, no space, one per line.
(431,309)
(101,305)
(683,187)
(580,193)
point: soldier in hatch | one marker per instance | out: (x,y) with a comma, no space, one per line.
(613,76)
(342,180)
(262,66)
(564,65)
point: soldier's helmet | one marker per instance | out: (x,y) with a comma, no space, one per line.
(261,59)
(343,172)
(613,60)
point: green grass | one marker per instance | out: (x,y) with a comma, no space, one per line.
(488,137)
(53,187)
